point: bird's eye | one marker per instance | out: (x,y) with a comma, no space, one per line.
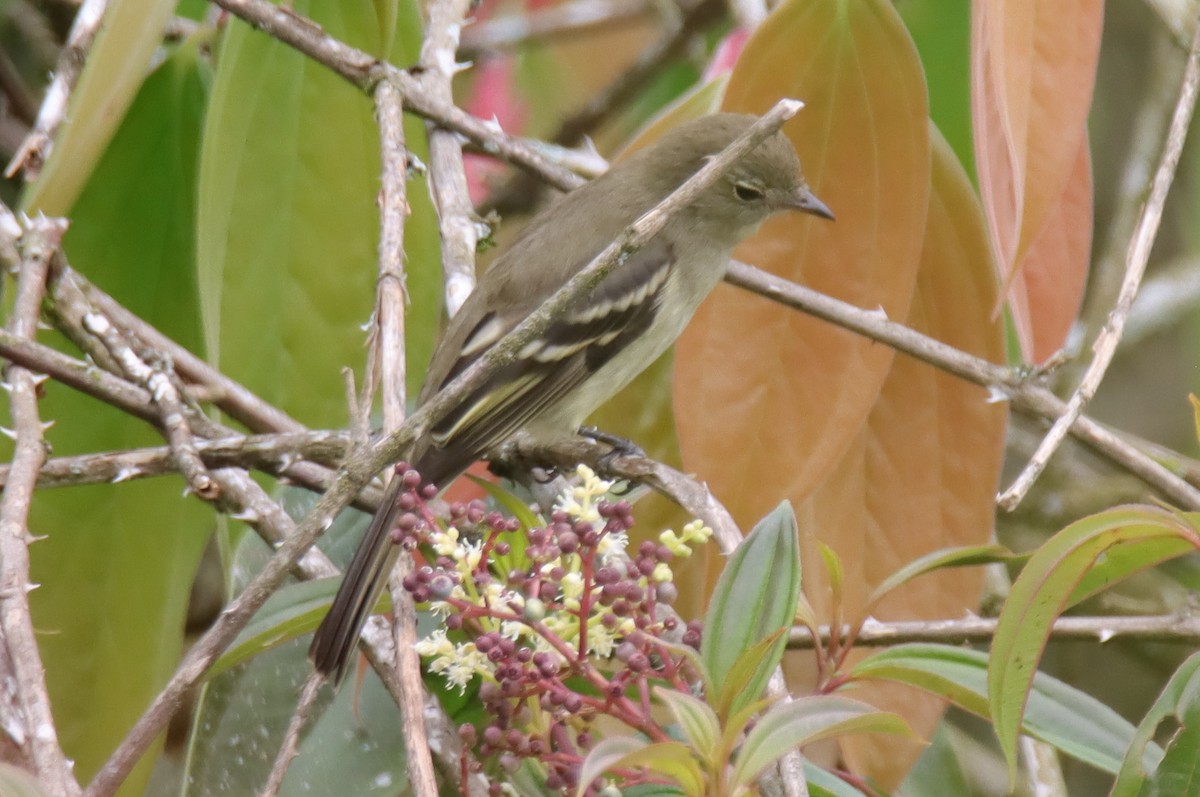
(747,192)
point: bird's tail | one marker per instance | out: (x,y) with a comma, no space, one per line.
(334,642)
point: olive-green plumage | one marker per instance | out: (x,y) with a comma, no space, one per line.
(601,342)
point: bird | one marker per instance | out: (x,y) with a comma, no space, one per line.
(599,343)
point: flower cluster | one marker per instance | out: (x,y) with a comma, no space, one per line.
(558,623)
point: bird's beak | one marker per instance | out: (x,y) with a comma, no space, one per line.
(805,201)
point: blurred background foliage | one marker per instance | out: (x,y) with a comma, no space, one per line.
(223,187)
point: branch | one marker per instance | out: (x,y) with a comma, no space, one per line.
(696,15)
(411,699)
(1135,267)
(688,493)
(357,67)
(1003,382)
(564,20)
(172,418)
(243,499)
(36,149)
(1181,629)
(1149,129)
(33,729)
(364,71)
(447,175)
(269,453)
(519,191)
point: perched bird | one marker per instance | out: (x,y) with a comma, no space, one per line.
(600,343)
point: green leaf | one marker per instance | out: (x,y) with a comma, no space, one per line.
(751,670)
(652,790)
(293,610)
(1058,714)
(671,759)
(116,66)
(287,218)
(117,561)
(352,745)
(965,556)
(699,723)
(938,770)
(754,598)
(1179,772)
(1175,700)
(826,784)
(803,721)
(1045,587)
(942,33)
(1127,558)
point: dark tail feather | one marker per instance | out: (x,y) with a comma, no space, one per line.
(334,643)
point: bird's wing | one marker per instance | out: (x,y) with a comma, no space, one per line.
(570,350)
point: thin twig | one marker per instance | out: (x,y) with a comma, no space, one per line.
(1005,383)
(33,730)
(1148,131)
(696,15)
(21,103)
(291,738)
(447,176)
(560,21)
(1136,260)
(1183,629)
(269,519)
(390,298)
(85,377)
(132,399)
(36,149)
(1043,770)
(172,417)
(229,395)
(364,71)
(270,453)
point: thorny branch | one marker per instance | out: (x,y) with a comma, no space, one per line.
(36,148)
(238,494)
(357,471)
(35,735)
(1138,256)
(447,174)
(390,302)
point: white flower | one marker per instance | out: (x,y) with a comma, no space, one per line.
(445,543)
(458,664)
(580,501)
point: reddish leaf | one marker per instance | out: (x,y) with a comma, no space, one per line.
(1047,289)
(767,399)
(1033,69)
(922,474)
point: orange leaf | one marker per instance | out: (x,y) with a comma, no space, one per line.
(922,474)
(1033,69)
(767,399)
(1047,289)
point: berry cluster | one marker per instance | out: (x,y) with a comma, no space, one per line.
(556,623)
